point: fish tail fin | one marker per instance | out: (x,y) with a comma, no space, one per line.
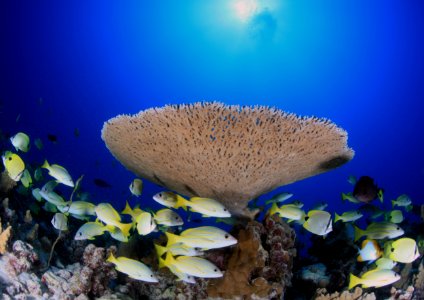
(393,203)
(161,263)
(358,233)
(169,260)
(336,217)
(160,250)
(181,202)
(125,228)
(353,281)
(344,196)
(381,195)
(112,258)
(45,165)
(127,210)
(172,238)
(274,209)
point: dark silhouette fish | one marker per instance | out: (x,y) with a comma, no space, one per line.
(366,190)
(101,183)
(52,138)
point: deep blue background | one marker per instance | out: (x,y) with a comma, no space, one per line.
(359,63)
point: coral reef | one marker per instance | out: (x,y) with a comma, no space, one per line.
(259,148)
(4,238)
(315,273)
(255,269)
(419,282)
(6,183)
(401,294)
(357,294)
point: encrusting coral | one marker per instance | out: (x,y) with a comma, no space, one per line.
(212,149)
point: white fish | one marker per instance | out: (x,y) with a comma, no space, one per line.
(136,187)
(385,263)
(206,206)
(168,199)
(90,230)
(79,208)
(318,222)
(60,222)
(181,276)
(145,223)
(20,141)
(370,251)
(108,215)
(50,196)
(178,249)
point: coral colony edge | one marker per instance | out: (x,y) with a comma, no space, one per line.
(213,161)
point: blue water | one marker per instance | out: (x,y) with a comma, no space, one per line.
(67,65)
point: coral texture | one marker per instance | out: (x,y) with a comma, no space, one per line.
(212,149)
(258,270)
(4,238)
(357,294)
(419,282)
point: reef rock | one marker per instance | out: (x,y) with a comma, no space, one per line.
(260,265)
(230,153)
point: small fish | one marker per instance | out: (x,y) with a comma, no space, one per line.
(117,234)
(20,141)
(59,173)
(385,263)
(167,217)
(281,197)
(228,221)
(133,212)
(205,237)
(193,265)
(36,194)
(108,215)
(14,165)
(352,180)
(348,216)
(378,231)
(38,174)
(76,132)
(349,197)
(297,203)
(403,250)
(373,210)
(136,187)
(90,230)
(168,199)
(320,206)
(181,276)
(39,144)
(26,179)
(366,190)
(402,200)
(52,138)
(177,249)
(50,207)
(288,211)
(374,278)
(394,216)
(102,183)
(60,222)
(48,194)
(318,222)
(79,208)
(206,206)
(133,268)
(370,251)
(145,223)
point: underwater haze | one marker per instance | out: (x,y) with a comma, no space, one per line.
(66,67)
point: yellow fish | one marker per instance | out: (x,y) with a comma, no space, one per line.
(206,206)
(133,268)
(26,179)
(318,222)
(404,250)
(378,231)
(108,215)
(14,165)
(59,173)
(374,278)
(288,211)
(193,265)
(370,251)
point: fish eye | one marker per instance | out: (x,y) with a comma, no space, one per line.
(151,275)
(226,236)
(215,270)
(160,194)
(398,228)
(10,158)
(393,249)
